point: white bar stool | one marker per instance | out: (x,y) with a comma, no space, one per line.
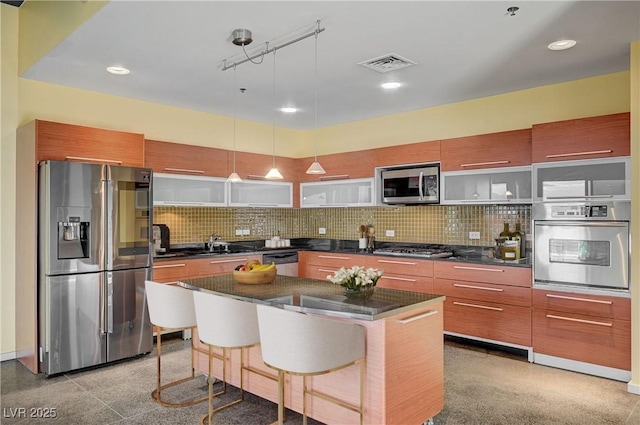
(170,308)
(226,323)
(307,345)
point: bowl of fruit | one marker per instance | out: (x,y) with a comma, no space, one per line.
(255,273)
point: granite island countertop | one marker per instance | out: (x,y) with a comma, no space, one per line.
(315,296)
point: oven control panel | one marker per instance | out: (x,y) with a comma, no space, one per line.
(579,211)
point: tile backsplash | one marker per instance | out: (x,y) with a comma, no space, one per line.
(439,224)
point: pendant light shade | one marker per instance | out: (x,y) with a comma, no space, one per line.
(316,168)
(234,177)
(273,173)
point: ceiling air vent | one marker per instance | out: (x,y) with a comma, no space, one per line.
(387,63)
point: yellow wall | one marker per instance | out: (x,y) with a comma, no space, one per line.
(9,115)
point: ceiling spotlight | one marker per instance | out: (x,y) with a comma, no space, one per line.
(562,45)
(511,11)
(289,110)
(390,85)
(117,70)
(241,37)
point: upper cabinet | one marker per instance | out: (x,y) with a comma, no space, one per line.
(585,138)
(413,153)
(177,158)
(261,194)
(504,149)
(508,185)
(339,166)
(181,190)
(337,193)
(67,142)
(256,166)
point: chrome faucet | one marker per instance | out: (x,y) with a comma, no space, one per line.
(212,239)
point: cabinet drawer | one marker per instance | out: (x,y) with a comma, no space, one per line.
(498,322)
(402,266)
(601,341)
(406,283)
(314,271)
(505,275)
(335,260)
(590,305)
(170,271)
(219,265)
(502,294)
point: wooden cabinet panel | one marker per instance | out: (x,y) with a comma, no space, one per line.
(601,341)
(256,166)
(314,271)
(505,275)
(407,154)
(585,138)
(167,157)
(345,165)
(502,294)
(406,283)
(212,266)
(331,260)
(402,266)
(67,142)
(170,271)
(504,149)
(493,321)
(590,305)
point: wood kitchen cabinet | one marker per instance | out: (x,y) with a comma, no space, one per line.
(504,149)
(423,152)
(339,166)
(68,142)
(256,166)
(178,158)
(217,265)
(170,271)
(338,193)
(585,138)
(486,301)
(587,328)
(318,265)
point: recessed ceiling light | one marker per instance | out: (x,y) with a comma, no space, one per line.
(390,85)
(289,110)
(562,45)
(117,70)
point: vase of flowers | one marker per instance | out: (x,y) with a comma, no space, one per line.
(357,281)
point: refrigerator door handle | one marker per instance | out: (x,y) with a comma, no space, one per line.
(109,302)
(108,201)
(102,304)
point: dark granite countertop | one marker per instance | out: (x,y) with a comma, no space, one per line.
(315,296)
(461,253)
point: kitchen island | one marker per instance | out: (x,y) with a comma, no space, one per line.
(404,349)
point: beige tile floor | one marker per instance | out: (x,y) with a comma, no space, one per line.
(482,387)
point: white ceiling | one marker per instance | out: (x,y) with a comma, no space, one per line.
(463,50)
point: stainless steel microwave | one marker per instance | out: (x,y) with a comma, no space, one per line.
(418,184)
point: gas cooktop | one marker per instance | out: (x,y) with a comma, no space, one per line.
(415,252)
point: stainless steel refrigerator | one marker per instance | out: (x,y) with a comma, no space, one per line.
(94,256)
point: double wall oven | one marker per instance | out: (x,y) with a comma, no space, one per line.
(582,245)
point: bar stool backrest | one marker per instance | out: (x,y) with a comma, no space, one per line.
(225,322)
(302,343)
(170,306)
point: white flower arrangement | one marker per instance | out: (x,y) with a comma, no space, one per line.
(356,277)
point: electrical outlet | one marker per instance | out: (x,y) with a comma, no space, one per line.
(390,233)
(322,230)
(246,232)
(474,235)
(238,232)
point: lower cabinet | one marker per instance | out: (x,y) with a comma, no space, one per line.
(486,301)
(587,328)
(170,271)
(212,266)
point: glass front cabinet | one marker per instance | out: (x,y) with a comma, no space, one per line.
(337,193)
(267,194)
(508,185)
(182,190)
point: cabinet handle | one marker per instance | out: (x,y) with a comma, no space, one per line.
(334,257)
(231,260)
(580,197)
(484,307)
(478,269)
(255,177)
(460,285)
(417,317)
(183,170)
(326,270)
(184,203)
(404,279)
(571,319)
(82,158)
(262,205)
(562,155)
(169,266)
(406,263)
(564,297)
(476,164)
(335,176)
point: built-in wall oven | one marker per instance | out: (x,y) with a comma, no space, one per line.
(582,244)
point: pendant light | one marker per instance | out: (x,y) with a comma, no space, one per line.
(316,168)
(234,177)
(273,173)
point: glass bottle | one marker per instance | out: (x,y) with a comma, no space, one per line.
(523,238)
(505,232)
(516,237)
